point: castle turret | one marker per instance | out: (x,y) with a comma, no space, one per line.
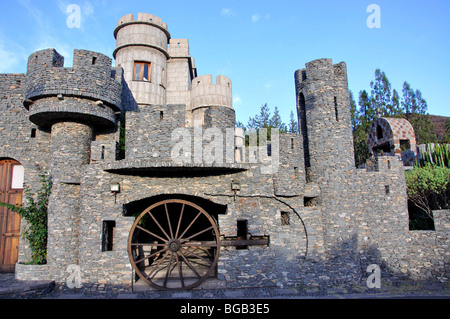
(323,107)
(141,51)
(212,104)
(74,103)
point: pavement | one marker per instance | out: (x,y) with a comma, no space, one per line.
(10,288)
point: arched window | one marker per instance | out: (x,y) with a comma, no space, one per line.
(379,132)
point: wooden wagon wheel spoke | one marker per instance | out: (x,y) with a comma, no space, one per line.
(197,234)
(190,265)
(162,229)
(179,221)
(190,225)
(150,256)
(156,267)
(149,232)
(168,269)
(168,221)
(182,230)
(206,250)
(180,270)
(198,256)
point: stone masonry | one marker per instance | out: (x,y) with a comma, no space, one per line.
(319,220)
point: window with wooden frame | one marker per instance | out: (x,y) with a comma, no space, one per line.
(142,71)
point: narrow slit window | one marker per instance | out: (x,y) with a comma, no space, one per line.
(242,232)
(108,235)
(336,109)
(161,115)
(103,152)
(33,133)
(142,71)
(387,189)
(94,60)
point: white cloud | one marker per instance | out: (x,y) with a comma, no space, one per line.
(268,84)
(255,17)
(227,12)
(237,100)
(88,8)
(13,56)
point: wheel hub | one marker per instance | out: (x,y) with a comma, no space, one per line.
(174,245)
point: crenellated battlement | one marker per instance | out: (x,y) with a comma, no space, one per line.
(179,48)
(146,18)
(205,93)
(91,77)
(145,31)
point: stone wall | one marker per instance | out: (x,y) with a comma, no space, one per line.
(149,131)
(429,251)
(91,77)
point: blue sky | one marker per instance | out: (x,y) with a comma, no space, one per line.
(258,44)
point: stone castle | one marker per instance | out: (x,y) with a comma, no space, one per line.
(152,184)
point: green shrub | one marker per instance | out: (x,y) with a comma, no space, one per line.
(428,187)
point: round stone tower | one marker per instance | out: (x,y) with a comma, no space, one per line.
(141,51)
(212,104)
(73,103)
(323,108)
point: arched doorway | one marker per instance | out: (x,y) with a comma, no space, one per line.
(174,245)
(11,191)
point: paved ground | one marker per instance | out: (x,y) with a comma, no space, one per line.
(13,289)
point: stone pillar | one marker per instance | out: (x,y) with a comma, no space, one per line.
(70,150)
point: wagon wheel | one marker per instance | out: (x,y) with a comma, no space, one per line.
(174,245)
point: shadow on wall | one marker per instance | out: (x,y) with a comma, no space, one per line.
(348,265)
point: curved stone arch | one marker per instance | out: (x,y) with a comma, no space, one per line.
(136,206)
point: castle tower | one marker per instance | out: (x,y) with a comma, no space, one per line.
(323,108)
(141,51)
(211,103)
(74,103)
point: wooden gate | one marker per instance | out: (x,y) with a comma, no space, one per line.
(11,190)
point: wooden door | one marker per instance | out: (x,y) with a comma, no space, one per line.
(11,190)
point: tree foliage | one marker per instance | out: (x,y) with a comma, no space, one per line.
(385,101)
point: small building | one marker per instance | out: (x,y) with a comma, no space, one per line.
(394,137)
